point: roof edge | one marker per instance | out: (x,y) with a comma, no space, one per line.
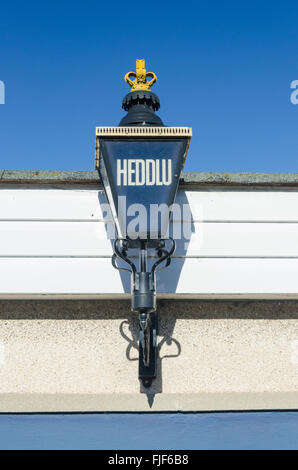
(187,178)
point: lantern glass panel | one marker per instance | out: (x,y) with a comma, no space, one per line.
(141,178)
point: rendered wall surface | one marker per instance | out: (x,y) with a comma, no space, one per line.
(82,356)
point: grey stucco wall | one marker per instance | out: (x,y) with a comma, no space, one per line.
(82,356)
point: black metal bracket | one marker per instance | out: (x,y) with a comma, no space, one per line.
(143,299)
(148,351)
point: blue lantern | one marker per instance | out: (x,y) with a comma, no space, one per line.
(140,162)
(140,168)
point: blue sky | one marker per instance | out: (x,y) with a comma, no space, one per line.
(223,67)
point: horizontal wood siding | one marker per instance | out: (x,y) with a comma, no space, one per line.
(53,240)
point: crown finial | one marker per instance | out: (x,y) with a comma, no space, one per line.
(140,77)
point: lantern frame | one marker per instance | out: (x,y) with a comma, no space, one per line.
(127,137)
(143,280)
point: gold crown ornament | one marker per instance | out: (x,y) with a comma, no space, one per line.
(140,77)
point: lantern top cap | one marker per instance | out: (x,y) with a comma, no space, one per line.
(140,82)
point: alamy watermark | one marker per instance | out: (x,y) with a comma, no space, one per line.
(153,221)
(294,94)
(2,92)
(140,220)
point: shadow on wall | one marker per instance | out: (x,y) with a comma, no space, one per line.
(181,230)
(169,313)
(168,347)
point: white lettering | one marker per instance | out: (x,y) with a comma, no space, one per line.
(121,171)
(141,172)
(166,181)
(130,172)
(119,460)
(150,172)
(158,182)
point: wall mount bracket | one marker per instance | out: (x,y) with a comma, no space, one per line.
(143,299)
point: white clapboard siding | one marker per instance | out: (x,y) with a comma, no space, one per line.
(191,276)
(50,203)
(205,205)
(243,242)
(242,205)
(81,239)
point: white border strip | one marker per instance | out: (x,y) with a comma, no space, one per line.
(141,131)
(118,296)
(167,402)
